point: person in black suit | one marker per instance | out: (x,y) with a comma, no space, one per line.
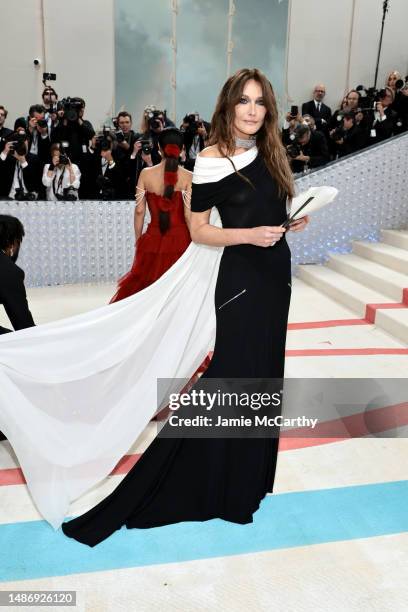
(4,132)
(12,291)
(75,130)
(350,137)
(316,108)
(313,149)
(19,170)
(382,120)
(196,132)
(103,175)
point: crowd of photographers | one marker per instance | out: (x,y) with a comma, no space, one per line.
(365,117)
(54,153)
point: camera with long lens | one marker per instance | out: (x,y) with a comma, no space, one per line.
(105,139)
(146,145)
(369,96)
(18,143)
(42,123)
(153,118)
(71,108)
(120,136)
(293,149)
(193,123)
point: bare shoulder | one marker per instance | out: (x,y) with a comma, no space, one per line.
(148,170)
(211,151)
(186,174)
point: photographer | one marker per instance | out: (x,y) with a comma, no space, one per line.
(400,106)
(316,108)
(308,149)
(153,122)
(20,171)
(125,136)
(382,118)
(102,175)
(4,132)
(292,120)
(196,132)
(38,132)
(50,104)
(350,103)
(72,127)
(349,137)
(61,178)
(141,158)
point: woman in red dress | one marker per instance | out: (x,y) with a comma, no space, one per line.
(165,189)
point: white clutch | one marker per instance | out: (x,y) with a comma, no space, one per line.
(309,201)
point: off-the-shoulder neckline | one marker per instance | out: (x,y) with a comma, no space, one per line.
(248,153)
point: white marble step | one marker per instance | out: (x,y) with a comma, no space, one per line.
(397,238)
(384,254)
(341,288)
(371,274)
(395,322)
(356,296)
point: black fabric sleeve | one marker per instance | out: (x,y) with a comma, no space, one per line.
(15,301)
(206,195)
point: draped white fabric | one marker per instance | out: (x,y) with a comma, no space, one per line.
(75,394)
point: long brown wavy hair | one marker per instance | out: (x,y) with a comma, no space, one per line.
(268,138)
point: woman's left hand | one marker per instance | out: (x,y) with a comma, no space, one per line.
(299,224)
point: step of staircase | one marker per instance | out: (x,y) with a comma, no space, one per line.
(371,274)
(395,322)
(341,288)
(384,254)
(356,296)
(397,238)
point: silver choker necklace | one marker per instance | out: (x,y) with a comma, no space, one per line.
(245,143)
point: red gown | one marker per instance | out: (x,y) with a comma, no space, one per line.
(156,252)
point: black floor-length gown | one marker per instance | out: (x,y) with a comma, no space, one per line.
(196,479)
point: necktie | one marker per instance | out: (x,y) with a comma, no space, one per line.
(318,106)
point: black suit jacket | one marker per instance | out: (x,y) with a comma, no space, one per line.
(13,294)
(32,174)
(4,132)
(309,108)
(316,149)
(91,169)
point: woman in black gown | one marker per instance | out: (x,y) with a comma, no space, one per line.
(196,479)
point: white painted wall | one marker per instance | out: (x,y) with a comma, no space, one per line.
(319,42)
(79,47)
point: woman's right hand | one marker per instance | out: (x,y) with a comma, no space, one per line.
(266,235)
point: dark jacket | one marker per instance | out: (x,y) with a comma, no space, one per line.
(309,108)
(32,174)
(381,130)
(316,149)
(4,132)
(13,295)
(353,139)
(78,137)
(91,169)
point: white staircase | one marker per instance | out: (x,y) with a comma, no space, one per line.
(374,273)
